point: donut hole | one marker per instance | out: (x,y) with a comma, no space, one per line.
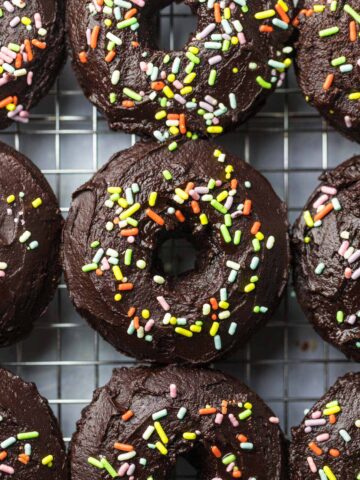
(176,254)
(183,469)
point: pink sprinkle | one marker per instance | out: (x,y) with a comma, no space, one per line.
(344,246)
(218,183)
(105,265)
(7,469)
(88,36)
(241,38)
(328,190)
(163,303)
(347,273)
(38,22)
(316,414)
(355,256)
(348,121)
(10,8)
(356,274)
(315,423)
(307,429)
(149,325)
(216,121)
(320,201)
(29,78)
(173,390)
(219,418)
(177,84)
(229,202)
(123,469)
(233,420)
(131,239)
(139,3)
(351,319)
(2,274)
(131,469)
(230,467)
(194,195)
(323,437)
(312,465)
(215,60)
(274,420)
(15,21)
(8,52)
(163,75)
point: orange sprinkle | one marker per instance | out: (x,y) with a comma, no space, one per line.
(116,221)
(99,272)
(217,12)
(255,228)
(155,217)
(15,100)
(195,207)
(236,474)
(157,86)
(280,11)
(214,303)
(100,2)
(173,116)
(328,81)
(233,184)
(6,101)
(3,455)
(131,311)
(189,186)
(242,438)
(127,415)
(215,451)
(332,419)
(247,207)
(128,103)
(124,287)
(309,12)
(94,36)
(266,28)
(135,44)
(28,50)
(123,447)
(110,56)
(214,317)
(352,31)
(18,61)
(334,452)
(180,216)
(224,405)
(136,323)
(38,44)
(130,232)
(182,124)
(83,57)
(296,22)
(130,13)
(207,411)
(25,459)
(314,448)
(327,209)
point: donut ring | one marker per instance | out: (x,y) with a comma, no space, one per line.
(223,75)
(144,419)
(147,195)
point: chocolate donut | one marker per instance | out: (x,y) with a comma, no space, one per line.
(30,234)
(32,48)
(147,195)
(327,62)
(326,248)
(326,445)
(222,76)
(31,445)
(144,419)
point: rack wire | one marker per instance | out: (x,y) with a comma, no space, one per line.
(286,362)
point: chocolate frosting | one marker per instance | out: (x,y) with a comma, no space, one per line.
(314,54)
(46,62)
(145,392)
(23,410)
(345,466)
(217,304)
(31,272)
(323,295)
(135,63)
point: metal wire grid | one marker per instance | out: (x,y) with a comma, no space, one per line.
(286,363)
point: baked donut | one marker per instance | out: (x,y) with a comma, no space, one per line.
(222,76)
(144,419)
(30,439)
(32,50)
(327,62)
(30,234)
(146,196)
(326,248)
(327,443)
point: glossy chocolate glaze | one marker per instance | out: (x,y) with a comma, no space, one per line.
(257,49)
(23,410)
(313,62)
(146,391)
(46,62)
(346,466)
(31,276)
(322,296)
(93,295)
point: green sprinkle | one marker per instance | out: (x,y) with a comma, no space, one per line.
(126,23)
(128,256)
(263,83)
(212,77)
(27,435)
(167,175)
(338,61)
(173,146)
(131,94)
(245,414)
(111,471)
(237,237)
(95,463)
(225,233)
(339,316)
(89,267)
(352,12)
(327,32)
(218,206)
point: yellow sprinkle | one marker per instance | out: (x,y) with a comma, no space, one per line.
(181,193)
(203,219)
(117,273)
(117,297)
(130,211)
(160,115)
(189,436)
(174,130)
(115,189)
(234,40)
(171,77)
(123,203)
(26,21)
(283,5)
(328,472)
(265,14)
(173,321)
(260,236)
(10,199)
(249,287)
(186,90)
(227,13)
(354,96)
(168,92)
(37,202)
(318,8)
(183,331)
(189,78)
(332,410)
(196,328)
(214,329)
(194,50)
(224,305)
(161,448)
(48,459)
(152,199)
(214,129)
(308,219)
(145,314)
(222,196)
(248,406)
(161,433)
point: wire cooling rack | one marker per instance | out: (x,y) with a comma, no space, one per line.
(286,362)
